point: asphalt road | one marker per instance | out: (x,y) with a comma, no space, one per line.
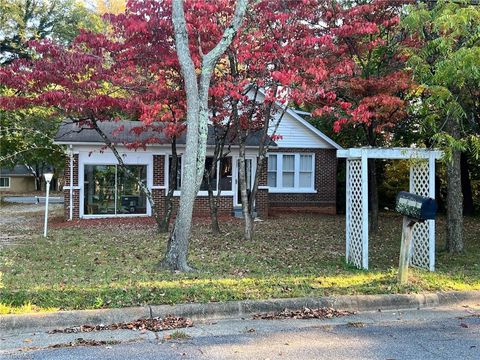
(447,333)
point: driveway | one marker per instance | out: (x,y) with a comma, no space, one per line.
(18,221)
(33,199)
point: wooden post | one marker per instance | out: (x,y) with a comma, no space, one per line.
(407,234)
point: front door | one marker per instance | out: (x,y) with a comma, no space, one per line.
(249,172)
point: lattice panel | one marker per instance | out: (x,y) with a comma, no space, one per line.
(354,203)
(419,184)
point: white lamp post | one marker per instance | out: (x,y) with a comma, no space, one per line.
(48,177)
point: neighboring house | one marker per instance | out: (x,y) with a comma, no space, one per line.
(300,173)
(16,180)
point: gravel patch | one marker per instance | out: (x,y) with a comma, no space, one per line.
(19,221)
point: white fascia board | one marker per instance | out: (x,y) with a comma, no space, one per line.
(389,153)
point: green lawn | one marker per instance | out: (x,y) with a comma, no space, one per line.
(113,264)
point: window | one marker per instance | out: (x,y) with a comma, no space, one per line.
(4,182)
(178,183)
(108,190)
(272,170)
(287,172)
(207,176)
(306,171)
(225,174)
(222,177)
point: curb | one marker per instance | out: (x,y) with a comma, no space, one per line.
(235,309)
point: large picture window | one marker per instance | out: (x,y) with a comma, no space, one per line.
(108,190)
(291,172)
(222,178)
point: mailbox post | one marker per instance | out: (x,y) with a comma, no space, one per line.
(414,208)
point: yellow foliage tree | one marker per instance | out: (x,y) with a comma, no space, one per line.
(110,6)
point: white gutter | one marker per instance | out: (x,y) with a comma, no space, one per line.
(71,182)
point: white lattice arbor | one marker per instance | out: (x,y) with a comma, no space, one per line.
(422,182)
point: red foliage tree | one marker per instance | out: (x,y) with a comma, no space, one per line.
(367,90)
(130,72)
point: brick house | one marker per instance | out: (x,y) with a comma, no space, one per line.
(300,173)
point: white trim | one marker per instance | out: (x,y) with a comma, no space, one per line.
(236,184)
(70,199)
(152,146)
(9,182)
(158,187)
(348,201)
(263,187)
(204,193)
(291,191)
(109,216)
(107,158)
(364,210)
(300,112)
(296,171)
(389,153)
(75,187)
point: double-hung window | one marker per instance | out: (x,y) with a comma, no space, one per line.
(4,182)
(291,172)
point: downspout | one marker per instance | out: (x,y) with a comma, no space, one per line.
(71,183)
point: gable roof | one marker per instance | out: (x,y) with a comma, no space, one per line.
(295,114)
(312,128)
(70,132)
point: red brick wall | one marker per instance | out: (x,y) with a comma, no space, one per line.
(158,170)
(261,199)
(201,207)
(325,184)
(76,192)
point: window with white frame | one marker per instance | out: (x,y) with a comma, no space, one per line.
(287,172)
(4,182)
(222,179)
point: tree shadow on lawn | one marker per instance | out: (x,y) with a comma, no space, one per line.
(112,264)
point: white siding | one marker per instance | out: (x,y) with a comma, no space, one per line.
(296,135)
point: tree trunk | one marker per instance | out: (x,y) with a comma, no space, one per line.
(172,184)
(454,204)
(454,196)
(373,196)
(213,205)
(212,199)
(468,207)
(197,127)
(38,183)
(247,212)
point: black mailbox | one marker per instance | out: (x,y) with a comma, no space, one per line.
(416,206)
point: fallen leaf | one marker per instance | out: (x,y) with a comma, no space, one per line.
(305,313)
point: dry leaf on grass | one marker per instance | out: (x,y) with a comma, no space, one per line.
(153,324)
(305,313)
